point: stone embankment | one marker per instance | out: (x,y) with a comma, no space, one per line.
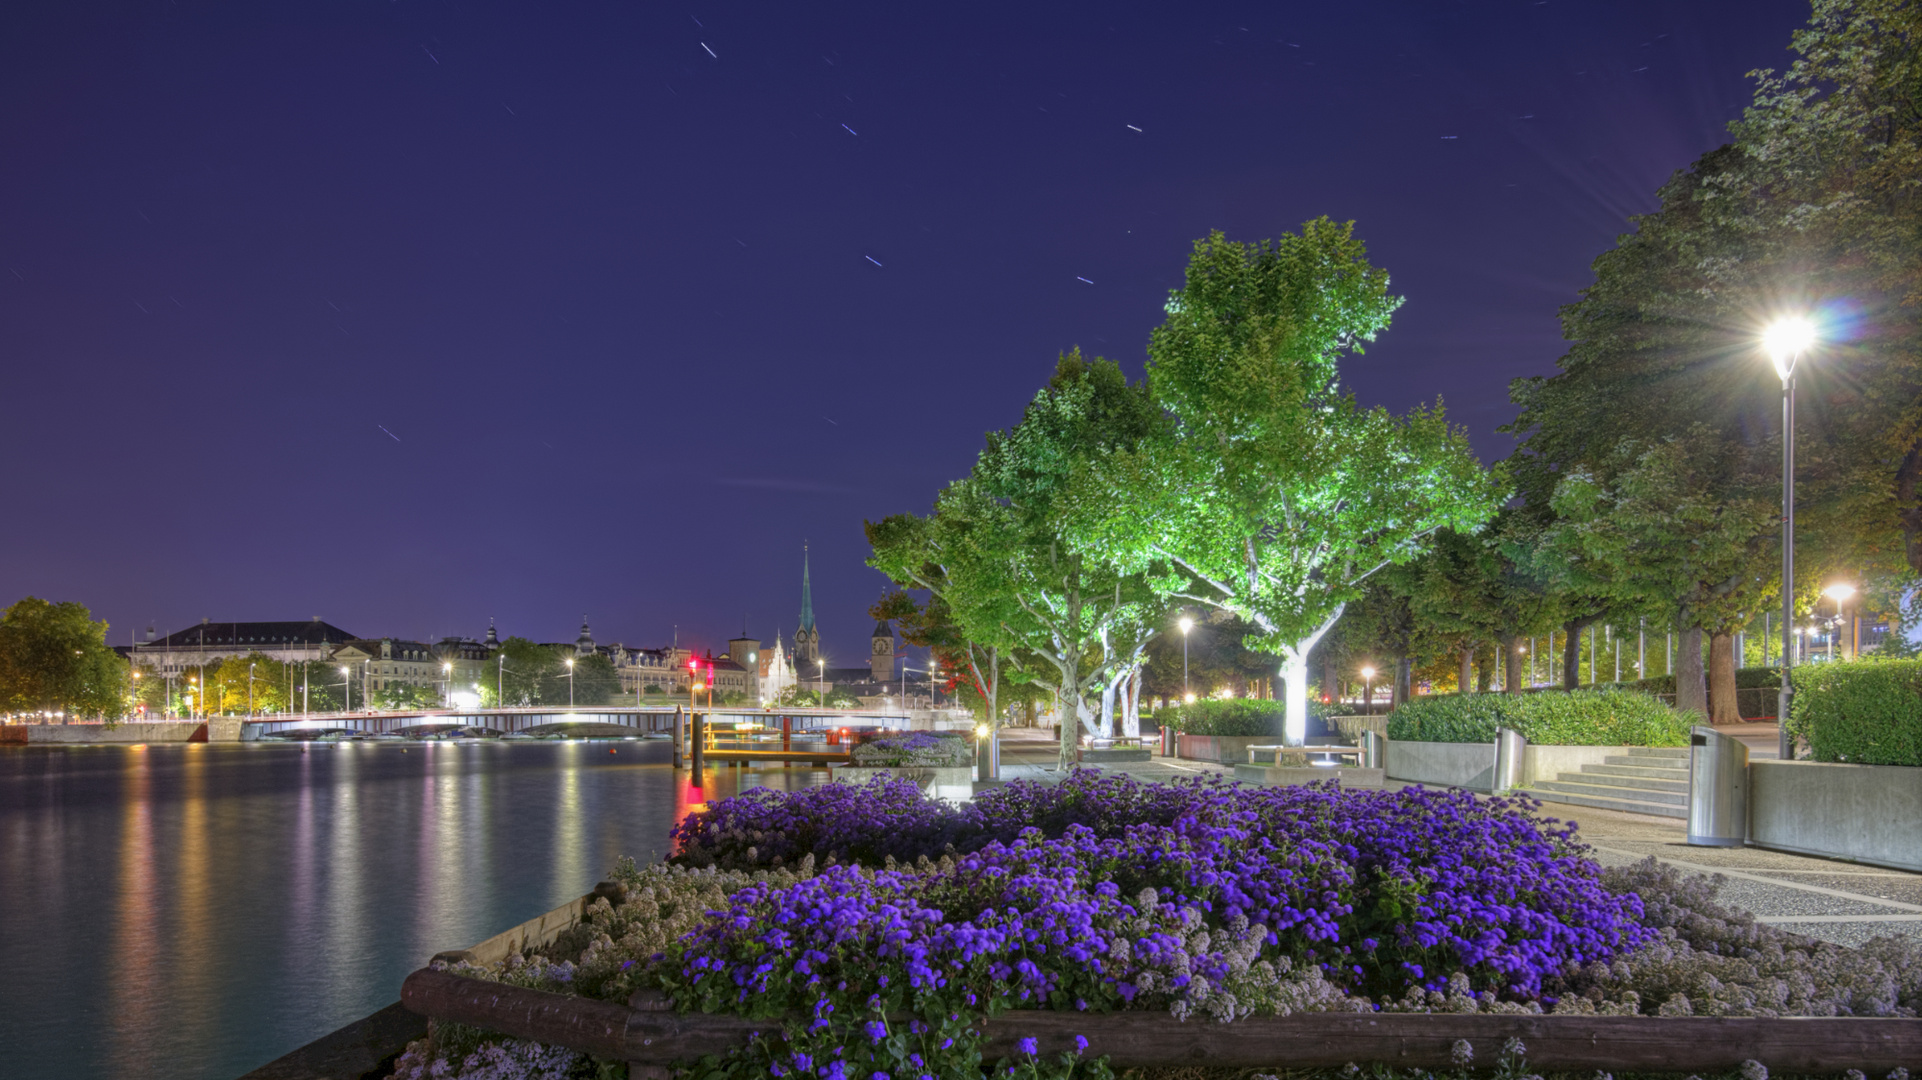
(175,731)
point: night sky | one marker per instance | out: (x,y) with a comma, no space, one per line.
(411,314)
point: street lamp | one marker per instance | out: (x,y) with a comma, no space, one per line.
(1186,625)
(250,687)
(347,681)
(1785,340)
(1840,592)
(447,683)
(570,684)
(1368,689)
(821,681)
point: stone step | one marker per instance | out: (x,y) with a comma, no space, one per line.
(1650,771)
(1609,791)
(1659,752)
(1643,782)
(1602,802)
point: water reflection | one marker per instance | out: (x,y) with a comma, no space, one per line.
(195,911)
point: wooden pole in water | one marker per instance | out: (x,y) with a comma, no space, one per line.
(699,740)
(680,761)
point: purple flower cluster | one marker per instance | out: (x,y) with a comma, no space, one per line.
(1380,891)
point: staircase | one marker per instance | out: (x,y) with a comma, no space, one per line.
(1646,780)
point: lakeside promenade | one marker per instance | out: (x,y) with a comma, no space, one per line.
(1834,901)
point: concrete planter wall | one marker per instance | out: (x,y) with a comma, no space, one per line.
(1472,765)
(1865,813)
(1222,749)
(1463,765)
(953,784)
(1349,776)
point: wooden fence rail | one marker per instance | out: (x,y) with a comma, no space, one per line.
(647,1032)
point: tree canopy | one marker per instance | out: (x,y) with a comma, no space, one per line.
(54,658)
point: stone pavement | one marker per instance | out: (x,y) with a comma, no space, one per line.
(1845,903)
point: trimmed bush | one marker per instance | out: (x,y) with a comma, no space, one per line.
(1576,718)
(1868,712)
(1236,716)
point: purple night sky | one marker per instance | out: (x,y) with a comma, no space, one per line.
(411,314)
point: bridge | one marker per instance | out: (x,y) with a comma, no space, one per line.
(597,719)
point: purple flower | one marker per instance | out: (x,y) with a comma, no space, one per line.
(1027,1046)
(877,1030)
(1080,1044)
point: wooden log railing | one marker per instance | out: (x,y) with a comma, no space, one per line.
(648,1033)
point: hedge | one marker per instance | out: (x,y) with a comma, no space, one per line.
(1867,712)
(1235,716)
(1575,718)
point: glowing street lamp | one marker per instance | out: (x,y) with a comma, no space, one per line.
(570,684)
(821,681)
(1368,688)
(1785,340)
(1840,593)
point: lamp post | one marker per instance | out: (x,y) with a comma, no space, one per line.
(347,680)
(570,685)
(1785,341)
(133,706)
(821,680)
(1368,689)
(1186,625)
(447,683)
(250,688)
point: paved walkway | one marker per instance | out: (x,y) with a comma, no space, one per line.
(1845,903)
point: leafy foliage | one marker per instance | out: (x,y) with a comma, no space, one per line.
(916,748)
(1551,718)
(54,658)
(1863,711)
(1235,716)
(1275,495)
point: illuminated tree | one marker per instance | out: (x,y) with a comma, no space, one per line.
(1275,496)
(54,658)
(995,551)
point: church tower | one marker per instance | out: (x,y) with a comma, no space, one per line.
(807,640)
(881,652)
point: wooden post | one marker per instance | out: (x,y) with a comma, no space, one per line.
(787,740)
(698,737)
(680,758)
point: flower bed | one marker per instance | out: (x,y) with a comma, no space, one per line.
(895,925)
(916,749)
(1549,718)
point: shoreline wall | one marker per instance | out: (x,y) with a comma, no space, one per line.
(179,731)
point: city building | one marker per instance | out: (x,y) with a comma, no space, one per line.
(208,643)
(452,665)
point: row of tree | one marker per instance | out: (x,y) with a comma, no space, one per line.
(1649,468)
(1240,478)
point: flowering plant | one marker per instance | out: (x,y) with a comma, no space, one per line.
(923,748)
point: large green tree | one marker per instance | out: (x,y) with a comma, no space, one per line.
(54,659)
(995,549)
(525,673)
(1275,495)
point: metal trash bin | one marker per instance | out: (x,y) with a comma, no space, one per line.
(1371,749)
(1509,748)
(1169,745)
(1717,789)
(987,753)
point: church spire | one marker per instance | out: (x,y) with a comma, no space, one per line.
(807,595)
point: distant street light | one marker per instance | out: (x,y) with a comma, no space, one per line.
(347,681)
(821,681)
(570,684)
(1785,341)
(250,687)
(447,683)
(1368,689)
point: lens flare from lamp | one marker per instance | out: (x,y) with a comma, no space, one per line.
(1785,339)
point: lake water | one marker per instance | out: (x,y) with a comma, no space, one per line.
(196,911)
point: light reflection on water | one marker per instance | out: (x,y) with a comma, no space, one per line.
(196,911)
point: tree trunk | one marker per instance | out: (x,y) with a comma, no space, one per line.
(1404,682)
(1572,652)
(1330,678)
(1131,716)
(1511,666)
(1723,703)
(1294,675)
(1484,671)
(1467,676)
(1691,688)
